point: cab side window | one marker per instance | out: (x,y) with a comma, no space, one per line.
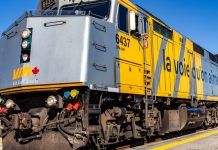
(123,18)
(136,31)
(145,25)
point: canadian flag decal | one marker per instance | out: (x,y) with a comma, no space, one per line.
(35,70)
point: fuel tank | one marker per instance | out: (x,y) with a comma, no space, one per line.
(182,119)
(195,118)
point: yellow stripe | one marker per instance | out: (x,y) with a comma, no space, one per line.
(211,98)
(188,140)
(41,87)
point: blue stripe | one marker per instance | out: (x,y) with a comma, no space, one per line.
(159,66)
(178,76)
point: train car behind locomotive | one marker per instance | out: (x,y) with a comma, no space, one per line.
(98,72)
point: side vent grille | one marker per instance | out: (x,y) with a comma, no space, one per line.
(212,57)
(198,49)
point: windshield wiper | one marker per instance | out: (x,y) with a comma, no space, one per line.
(75,7)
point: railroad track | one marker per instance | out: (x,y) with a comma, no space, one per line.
(135,143)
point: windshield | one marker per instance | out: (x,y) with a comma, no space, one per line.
(97,9)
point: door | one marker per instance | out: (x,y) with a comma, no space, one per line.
(130,66)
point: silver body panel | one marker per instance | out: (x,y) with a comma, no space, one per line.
(76,50)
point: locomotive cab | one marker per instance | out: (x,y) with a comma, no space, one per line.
(95,8)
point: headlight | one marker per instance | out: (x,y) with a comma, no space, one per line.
(25,44)
(52,101)
(26,34)
(10,104)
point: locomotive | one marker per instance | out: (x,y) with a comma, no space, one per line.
(77,73)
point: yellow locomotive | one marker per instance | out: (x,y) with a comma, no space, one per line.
(96,73)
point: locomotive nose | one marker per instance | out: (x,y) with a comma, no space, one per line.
(30,47)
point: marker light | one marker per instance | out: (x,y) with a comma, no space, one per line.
(26,34)
(51,101)
(10,104)
(25,57)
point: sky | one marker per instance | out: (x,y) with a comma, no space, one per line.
(196,19)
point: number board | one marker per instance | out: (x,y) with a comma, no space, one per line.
(47,3)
